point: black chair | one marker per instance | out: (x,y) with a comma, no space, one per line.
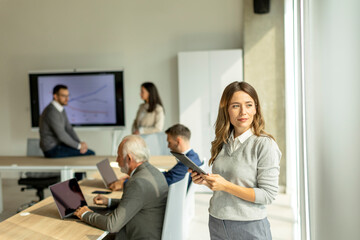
(39,184)
(37,180)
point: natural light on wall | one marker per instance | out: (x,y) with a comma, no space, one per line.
(323,107)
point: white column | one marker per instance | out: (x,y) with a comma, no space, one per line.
(332,73)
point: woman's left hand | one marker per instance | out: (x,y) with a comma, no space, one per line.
(216,182)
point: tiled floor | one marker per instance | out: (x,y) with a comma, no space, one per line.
(13,198)
(279,214)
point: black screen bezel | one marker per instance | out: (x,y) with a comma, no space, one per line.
(119,95)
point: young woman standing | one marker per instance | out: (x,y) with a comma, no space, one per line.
(150,116)
(245,165)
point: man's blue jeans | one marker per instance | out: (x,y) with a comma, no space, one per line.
(61,151)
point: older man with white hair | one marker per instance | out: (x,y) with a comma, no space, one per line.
(139,214)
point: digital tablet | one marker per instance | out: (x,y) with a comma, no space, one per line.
(187,162)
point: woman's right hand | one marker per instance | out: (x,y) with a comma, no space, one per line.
(197,178)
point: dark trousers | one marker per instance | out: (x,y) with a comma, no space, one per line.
(239,230)
(61,151)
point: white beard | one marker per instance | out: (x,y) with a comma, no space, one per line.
(125,169)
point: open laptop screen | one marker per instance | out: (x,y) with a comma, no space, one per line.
(107,173)
(67,196)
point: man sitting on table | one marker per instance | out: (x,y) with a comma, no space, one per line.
(57,136)
(139,214)
(178,138)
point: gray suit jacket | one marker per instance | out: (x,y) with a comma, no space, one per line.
(140,212)
(55,129)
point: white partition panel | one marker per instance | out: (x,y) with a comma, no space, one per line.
(202,77)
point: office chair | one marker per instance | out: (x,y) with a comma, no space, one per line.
(157,144)
(174,219)
(37,180)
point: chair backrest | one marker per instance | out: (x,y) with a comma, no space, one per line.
(33,147)
(207,169)
(189,208)
(190,199)
(173,227)
(157,143)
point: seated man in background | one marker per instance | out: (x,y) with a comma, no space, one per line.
(57,136)
(178,138)
(139,214)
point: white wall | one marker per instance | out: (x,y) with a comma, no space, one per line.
(141,36)
(332,73)
(203,75)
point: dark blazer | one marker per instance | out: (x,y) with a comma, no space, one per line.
(179,171)
(139,214)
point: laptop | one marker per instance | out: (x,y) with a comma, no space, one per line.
(107,173)
(68,197)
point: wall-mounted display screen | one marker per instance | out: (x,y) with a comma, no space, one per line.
(96,97)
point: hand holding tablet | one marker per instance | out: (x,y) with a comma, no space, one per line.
(187,162)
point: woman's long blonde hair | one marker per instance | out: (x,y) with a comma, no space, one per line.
(223,126)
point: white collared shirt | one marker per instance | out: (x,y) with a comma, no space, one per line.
(186,151)
(132,172)
(57,105)
(182,153)
(236,143)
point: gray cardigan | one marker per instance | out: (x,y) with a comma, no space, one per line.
(55,129)
(255,164)
(139,214)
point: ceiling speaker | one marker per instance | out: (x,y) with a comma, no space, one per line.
(261,6)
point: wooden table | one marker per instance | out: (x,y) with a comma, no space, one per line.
(43,220)
(66,166)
